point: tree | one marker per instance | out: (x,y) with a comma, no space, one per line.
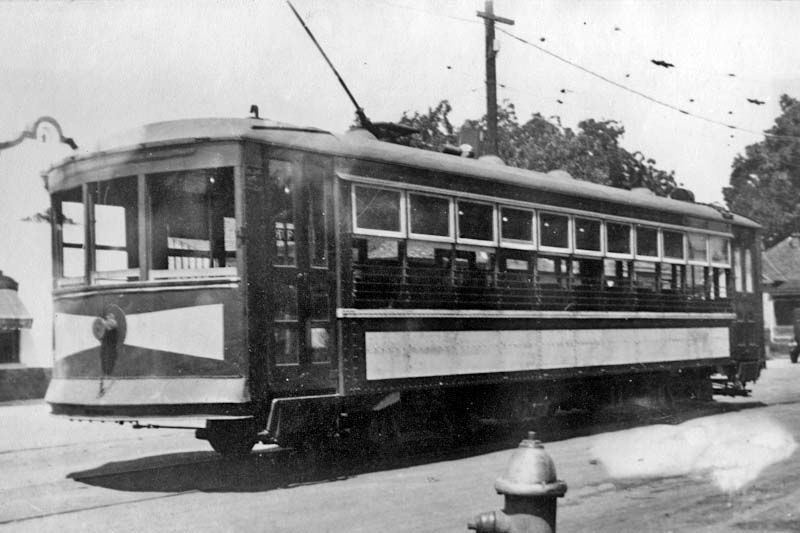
(593,153)
(435,128)
(765,181)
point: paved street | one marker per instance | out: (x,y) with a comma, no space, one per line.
(730,471)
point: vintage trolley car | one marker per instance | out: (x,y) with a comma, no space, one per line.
(287,285)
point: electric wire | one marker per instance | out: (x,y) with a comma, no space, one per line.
(608,80)
(645,95)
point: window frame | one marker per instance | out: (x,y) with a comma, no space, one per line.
(123,275)
(631,243)
(601,237)
(450,219)
(517,244)
(570,230)
(708,249)
(749,275)
(738,270)
(477,242)
(642,257)
(61,280)
(377,232)
(696,262)
(684,243)
(148,183)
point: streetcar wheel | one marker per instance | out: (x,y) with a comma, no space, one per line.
(383,433)
(231,444)
(230,437)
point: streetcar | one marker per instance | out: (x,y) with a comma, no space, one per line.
(288,285)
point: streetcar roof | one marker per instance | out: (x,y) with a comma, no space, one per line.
(360,147)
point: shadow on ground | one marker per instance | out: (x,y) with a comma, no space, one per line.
(283,469)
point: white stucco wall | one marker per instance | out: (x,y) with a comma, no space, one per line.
(769,313)
(25,246)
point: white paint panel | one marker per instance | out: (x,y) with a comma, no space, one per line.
(410,354)
(146,391)
(72,334)
(197,331)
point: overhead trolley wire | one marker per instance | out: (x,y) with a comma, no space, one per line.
(606,79)
(644,95)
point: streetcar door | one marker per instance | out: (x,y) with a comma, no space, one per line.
(300,343)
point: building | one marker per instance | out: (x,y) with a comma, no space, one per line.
(26,307)
(781,278)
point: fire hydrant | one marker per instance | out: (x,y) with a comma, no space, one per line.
(530,488)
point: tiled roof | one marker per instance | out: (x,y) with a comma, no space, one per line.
(782,261)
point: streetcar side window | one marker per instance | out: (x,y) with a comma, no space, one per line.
(316,210)
(738,275)
(430,216)
(618,239)
(192,229)
(673,245)
(475,222)
(719,249)
(516,227)
(378,211)
(616,274)
(587,235)
(698,251)
(646,241)
(286,350)
(281,177)
(645,275)
(551,272)
(698,283)
(748,267)
(116,237)
(721,282)
(587,273)
(554,231)
(69,222)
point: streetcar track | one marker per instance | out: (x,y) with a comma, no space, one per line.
(340,461)
(302,470)
(95,507)
(65,445)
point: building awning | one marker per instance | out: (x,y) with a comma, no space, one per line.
(13,314)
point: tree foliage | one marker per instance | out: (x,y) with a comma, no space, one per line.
(765,181)
(435,128)
(592,153)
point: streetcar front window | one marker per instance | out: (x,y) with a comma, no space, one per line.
(192,226)
(69,222)
(115,231)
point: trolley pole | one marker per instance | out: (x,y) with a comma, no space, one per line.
(491,74)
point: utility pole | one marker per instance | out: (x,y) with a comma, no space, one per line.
(491,74)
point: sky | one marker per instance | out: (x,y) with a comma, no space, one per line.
(100,68)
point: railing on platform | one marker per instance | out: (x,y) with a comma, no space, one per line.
(433,287)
